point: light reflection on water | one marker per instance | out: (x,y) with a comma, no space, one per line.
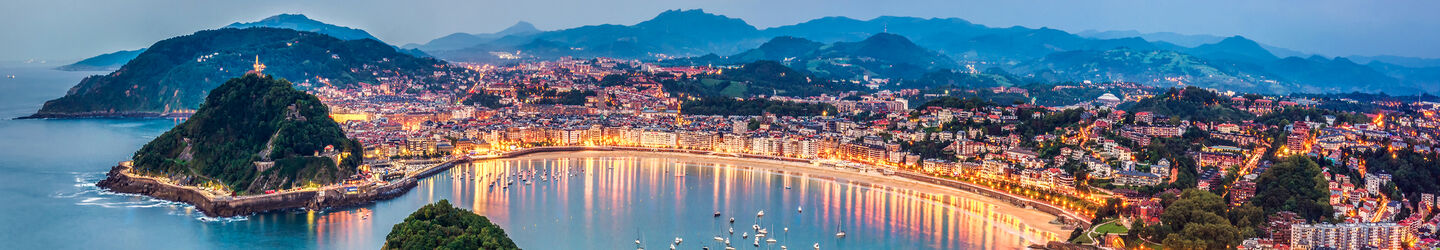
(607,202)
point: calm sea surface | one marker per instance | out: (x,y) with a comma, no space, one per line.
(599,201)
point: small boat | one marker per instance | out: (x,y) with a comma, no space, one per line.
(757,242)
(763,231)
(744,235)
(717,214)
(771,241)
(732,220)
(760,214)
(678,240)
(787,187)
(719,239)
(840,235)
(783,248)
(817,246)
(732,231)
(760,235)
(800,209)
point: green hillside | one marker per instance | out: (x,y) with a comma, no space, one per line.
(1190,103)
(177,73)
(444,226)
(245,124)
(758,78)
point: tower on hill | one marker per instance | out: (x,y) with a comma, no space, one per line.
(258,67)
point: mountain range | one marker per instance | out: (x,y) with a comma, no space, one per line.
(881,55)
(847,48)
(1043,54)
(464,40)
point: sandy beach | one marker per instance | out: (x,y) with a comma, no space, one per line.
(1034,218)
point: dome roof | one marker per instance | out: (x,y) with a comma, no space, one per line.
(1109,97)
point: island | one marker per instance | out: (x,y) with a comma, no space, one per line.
(441,225)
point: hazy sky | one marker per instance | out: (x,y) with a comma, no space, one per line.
(64,30)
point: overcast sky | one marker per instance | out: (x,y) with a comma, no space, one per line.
(72,29)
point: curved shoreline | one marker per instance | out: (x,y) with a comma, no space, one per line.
(1036,219)
(119,180)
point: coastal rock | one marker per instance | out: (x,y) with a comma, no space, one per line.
(120,181)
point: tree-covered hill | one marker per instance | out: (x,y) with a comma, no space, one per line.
(1154,67)
(780,49)
(1190,103)
(443,226)
(731,106)
(758,78)
(955,79)
(177,73)
(245,125)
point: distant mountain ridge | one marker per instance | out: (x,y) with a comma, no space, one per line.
(105,62)
(1233,63)
(302,23)
(464,40)
(881,55)
(672,33)
(1235,48)
(1153,67)
(837,48)
(1169,37)
(1414,62)
(688,33)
